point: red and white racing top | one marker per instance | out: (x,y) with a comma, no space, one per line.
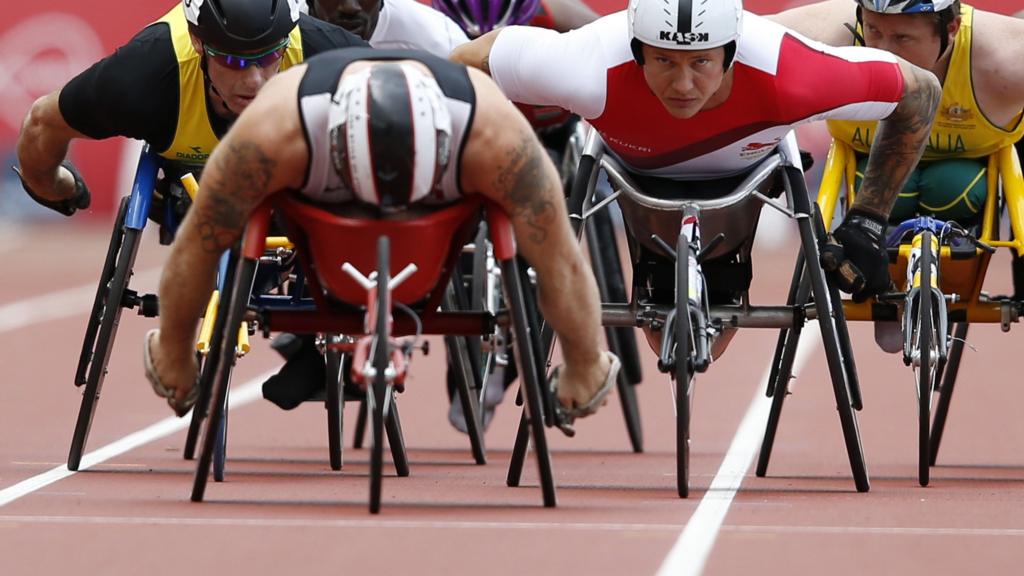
(781,79)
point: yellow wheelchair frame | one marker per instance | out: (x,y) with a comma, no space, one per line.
(958,287)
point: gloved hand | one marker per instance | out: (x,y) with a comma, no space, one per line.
(80,199)
(855,256)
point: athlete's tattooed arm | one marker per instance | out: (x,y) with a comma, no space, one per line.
(524,180)
(900,140)
(264,152)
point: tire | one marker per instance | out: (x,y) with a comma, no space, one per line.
(107,331)
(925,345)
(335,405)
(220,448)
(96,315)
(683,372)
(208,367)
(379,387)
(236,296)
(527,348)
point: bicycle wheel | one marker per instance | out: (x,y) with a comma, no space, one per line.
(379,387)
(236,298)
(925,353)
(111,316)
(683,372)
(208,366)
(96,315)
(220,448)
(527,350)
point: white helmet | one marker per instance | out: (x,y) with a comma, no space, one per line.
(390,134)
(684,24)
(905,6)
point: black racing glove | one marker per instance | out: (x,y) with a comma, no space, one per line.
(855,256)
(80,200)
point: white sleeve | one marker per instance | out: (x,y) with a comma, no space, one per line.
(542,67)
(456,37)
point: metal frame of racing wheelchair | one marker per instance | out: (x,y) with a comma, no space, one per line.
(939,268)
(113,295)
(682,311)
(373,310)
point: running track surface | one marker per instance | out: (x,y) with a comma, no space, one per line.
(282,510)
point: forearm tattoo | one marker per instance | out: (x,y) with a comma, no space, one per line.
(240,182)
(899,143)
(522,180)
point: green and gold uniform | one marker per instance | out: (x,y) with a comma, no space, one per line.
(950,181)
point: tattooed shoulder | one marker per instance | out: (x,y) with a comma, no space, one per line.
(520,180)
(238,181)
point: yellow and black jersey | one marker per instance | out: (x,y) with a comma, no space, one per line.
(153,89)
(961,129)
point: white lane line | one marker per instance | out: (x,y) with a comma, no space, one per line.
(690,552)
(59,304)
(877,530)
(340,523)
(240,396)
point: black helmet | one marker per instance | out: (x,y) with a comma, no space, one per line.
(241,26)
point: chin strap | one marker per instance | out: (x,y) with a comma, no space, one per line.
(208,82)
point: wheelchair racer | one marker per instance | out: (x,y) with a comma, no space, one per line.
(402,24)
(975,55)
(708,90)
(439,131)
(178,85)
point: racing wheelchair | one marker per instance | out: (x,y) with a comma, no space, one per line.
(157,196)
(939,269)
(383,291)
(687,292)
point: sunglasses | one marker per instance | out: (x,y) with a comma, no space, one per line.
(236,62)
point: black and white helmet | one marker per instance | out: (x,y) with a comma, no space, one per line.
(390,133)
(685,24)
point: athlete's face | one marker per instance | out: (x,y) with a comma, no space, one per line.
(357,16)
(686,81)
(234,89)
(912,37)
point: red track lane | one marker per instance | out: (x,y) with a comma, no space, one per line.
(283,510)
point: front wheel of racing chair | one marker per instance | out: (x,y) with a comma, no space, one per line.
(112,296)
(379,395)
(683,369)
(924,335)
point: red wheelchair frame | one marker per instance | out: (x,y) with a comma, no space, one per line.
(340,304)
